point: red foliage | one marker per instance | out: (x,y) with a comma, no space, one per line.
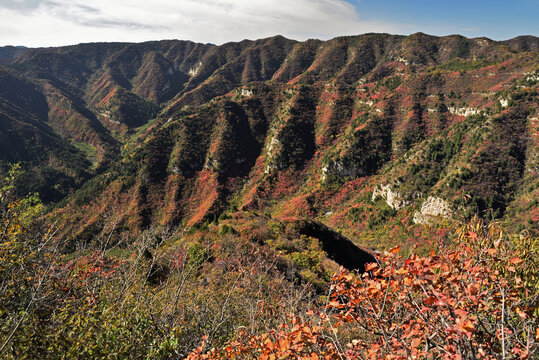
(466,302)
(205,196)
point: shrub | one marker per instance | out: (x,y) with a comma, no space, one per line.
(471,300)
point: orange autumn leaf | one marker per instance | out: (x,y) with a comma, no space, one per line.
(371,266)
(401,271)
(416,342)
(284,345)
(516,260)
(465,325)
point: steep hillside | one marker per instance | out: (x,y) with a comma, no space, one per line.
(9,53)
(370,134)
(215,202)
(54,165)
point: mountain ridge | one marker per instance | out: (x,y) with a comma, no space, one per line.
(191,129)
(528,37)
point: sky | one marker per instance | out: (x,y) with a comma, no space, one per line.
(41,23)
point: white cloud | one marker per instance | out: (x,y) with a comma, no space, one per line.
(60,22)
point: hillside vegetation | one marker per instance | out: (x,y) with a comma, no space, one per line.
(371,196)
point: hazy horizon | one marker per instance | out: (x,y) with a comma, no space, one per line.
(158,40)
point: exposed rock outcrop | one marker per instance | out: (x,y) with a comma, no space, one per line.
(341,169)
(432,209)
(463,111)
(392,198)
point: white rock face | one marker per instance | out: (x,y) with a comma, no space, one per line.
(195,70)
(365,102)
(393,198)
(463,111)
(245,92)
(325,170)
(339,168)
(271,153)
(482,43)
(105,113)
(402,60)
(532,77)
(433,207)
(436,207)
(270,168)
(273,143)
(504,102)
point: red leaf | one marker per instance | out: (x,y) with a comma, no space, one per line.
(430,300)
(395,250)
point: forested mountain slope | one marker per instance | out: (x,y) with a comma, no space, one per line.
(365,197)
(369,133)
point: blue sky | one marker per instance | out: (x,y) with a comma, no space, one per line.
(496,19)
(63,22)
